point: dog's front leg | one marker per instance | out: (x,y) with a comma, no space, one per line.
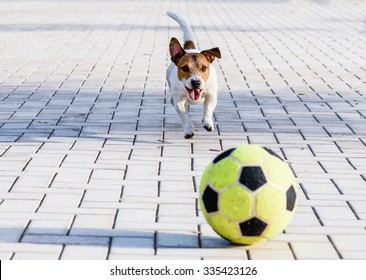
(209,107)
(182,109)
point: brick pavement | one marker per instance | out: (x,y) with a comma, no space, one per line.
(93,164)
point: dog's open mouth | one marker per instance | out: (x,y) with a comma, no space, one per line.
(194,93)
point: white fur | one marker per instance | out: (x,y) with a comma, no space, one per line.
(180,98)
(192,51)
(186,28)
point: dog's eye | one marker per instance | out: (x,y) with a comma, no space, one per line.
(185,69)
(204,68)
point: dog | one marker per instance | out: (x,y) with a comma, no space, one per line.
(191,78)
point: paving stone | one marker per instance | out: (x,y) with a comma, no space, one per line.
(177,240)
(128,246)
(16,206)
(64,239)
(302,250)
(85,224)
(270,251)
(35,256)
(11,233)
(177,210)
(30,248)
(335,213)
(6,255)
(62,200)
(102,195)
(77,252)
(135,215)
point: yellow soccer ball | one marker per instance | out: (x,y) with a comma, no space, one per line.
(248,194)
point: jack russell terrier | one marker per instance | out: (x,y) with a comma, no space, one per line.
(191,78)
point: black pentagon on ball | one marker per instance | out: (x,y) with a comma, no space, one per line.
(252,227)
(290,198)
(252,177)
(223,155)
(210,199)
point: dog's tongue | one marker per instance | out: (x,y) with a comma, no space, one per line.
(194,93)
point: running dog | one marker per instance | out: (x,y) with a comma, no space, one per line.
(191,78)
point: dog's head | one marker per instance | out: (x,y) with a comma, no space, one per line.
(193,67)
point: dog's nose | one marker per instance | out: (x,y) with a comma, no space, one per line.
(196,83)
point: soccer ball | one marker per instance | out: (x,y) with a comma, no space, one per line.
(248,194)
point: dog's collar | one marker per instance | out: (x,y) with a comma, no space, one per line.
(192,51)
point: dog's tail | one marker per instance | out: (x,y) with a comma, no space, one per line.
(187,30)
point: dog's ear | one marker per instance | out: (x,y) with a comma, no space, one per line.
(211,54)
(176,50)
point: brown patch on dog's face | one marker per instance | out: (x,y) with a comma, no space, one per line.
(193,65)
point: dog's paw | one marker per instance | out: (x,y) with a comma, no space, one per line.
(208,123)
(208,127)
(189,135)
(188,131)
